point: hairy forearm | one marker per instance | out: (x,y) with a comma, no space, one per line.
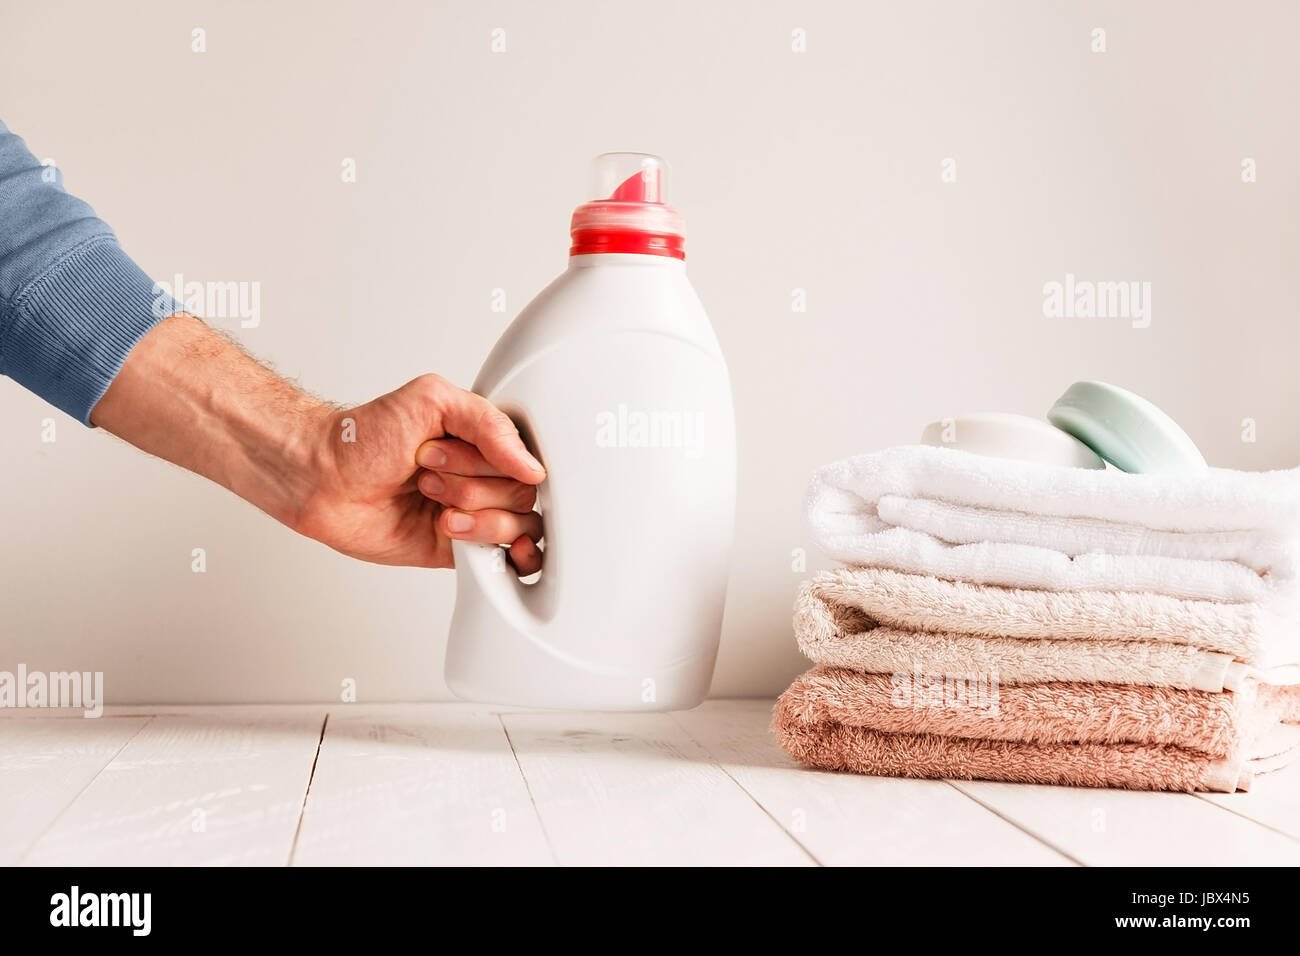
(191,396)
(394,480)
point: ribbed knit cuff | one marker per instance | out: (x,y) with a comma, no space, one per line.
(74,326)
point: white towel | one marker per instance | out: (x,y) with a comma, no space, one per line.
(1217,535)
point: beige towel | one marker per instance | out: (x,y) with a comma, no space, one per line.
(1062,733)
(885,621)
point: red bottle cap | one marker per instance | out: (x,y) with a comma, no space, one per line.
(635,217)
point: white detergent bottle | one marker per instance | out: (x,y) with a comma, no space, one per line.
(616,382)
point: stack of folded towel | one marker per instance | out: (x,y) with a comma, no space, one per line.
(1007,620)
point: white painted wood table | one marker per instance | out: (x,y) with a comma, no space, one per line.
(463,784)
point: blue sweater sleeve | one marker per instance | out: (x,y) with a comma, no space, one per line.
(72,305)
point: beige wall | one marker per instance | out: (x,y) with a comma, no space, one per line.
(817,171)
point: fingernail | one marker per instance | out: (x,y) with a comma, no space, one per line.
(431,484)
(430,456)
(533,463)
(458,522)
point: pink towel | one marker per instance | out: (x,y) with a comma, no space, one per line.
(1061,733)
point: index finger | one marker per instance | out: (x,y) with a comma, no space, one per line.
(474,419)
(454,456)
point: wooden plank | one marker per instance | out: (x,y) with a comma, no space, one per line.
(418,785)
(422,784)
(1134,828)
(635,789)
(217,789)
(856,820)
(178,710)
(61,713)
(1274,801)
(45,764)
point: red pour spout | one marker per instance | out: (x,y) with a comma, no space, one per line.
(645,185)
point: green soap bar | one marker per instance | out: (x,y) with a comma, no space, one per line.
(1126,430)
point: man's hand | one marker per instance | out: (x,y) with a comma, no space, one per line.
(392,481)
(476,481)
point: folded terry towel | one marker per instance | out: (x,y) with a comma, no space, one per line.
(1061,733)
(871,619)
(1130,766)
(1218,535)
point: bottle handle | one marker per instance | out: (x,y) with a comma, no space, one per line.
(526,608)
(497,584)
